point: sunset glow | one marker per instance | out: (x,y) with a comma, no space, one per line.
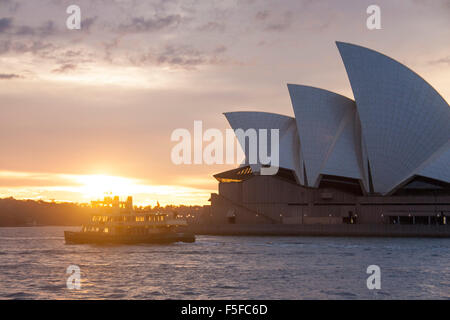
(84,188)
(95,186)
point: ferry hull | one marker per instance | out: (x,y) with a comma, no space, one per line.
(72,237)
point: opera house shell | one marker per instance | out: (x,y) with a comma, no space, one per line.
(390,144)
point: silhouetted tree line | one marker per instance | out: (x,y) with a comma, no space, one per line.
(15,212)
(30,212)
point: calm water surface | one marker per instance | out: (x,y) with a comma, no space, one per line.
(33,264)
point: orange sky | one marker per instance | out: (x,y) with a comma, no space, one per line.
(90,111)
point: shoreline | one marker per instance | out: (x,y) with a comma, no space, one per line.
(362,230)
(292,230)
(43,225)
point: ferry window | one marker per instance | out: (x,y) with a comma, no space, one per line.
(106,230)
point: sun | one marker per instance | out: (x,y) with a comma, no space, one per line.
(97,185)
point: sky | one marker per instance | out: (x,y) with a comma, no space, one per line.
(91,111)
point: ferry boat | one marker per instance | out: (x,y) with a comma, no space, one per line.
(117,222)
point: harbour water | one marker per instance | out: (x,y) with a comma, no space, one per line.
(33,263)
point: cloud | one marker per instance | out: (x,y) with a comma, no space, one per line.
(9,76)
(141,25)
(67,67)
(281,24)
(181,56)
(5,24)
(220,49)
(212,26)
(44,30)
(445,60)
(35,47)
(109,48)
(4,46)
(262,15)
(11,5)
(442,6)
(439,3)
(87,23)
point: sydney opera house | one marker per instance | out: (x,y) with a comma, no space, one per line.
(382,158)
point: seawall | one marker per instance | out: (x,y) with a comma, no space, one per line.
(342,230)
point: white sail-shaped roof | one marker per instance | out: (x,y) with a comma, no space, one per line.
(397,129)
(288,137)
(438,166)
(326,127)
(404,120)
(344,158)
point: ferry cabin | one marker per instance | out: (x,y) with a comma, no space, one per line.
(116,217)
